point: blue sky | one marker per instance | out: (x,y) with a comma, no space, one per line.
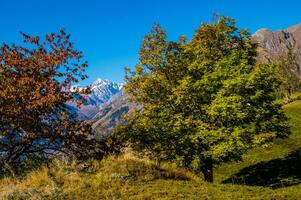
(109,32)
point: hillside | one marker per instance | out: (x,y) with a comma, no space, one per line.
(273,172)
(111,113)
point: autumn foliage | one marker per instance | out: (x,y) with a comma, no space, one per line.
(35,82)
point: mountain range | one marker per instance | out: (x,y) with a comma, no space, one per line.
(104,105)
(101,92)
(108,101)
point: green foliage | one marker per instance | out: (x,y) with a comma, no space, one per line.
(202,102)
(289,72)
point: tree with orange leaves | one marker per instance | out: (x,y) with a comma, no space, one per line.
(35,81)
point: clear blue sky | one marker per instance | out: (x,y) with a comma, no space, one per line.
(109,32)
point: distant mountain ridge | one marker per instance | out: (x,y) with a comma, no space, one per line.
(111,113)
(272,43)
(102,90)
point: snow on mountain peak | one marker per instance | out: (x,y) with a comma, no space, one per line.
(106,83)
(100,81)
(101,92)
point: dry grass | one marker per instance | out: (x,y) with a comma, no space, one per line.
(126,177)
(109,179)
(129,177)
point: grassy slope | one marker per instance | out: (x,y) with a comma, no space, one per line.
(131,178)
(280,148)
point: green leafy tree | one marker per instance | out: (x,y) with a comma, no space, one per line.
(202,102)
(289,71)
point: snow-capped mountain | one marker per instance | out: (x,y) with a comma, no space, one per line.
(101,92)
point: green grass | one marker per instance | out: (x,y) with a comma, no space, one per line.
(128,177)
(279,149)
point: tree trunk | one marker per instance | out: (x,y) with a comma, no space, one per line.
(288,98)
(207,169)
